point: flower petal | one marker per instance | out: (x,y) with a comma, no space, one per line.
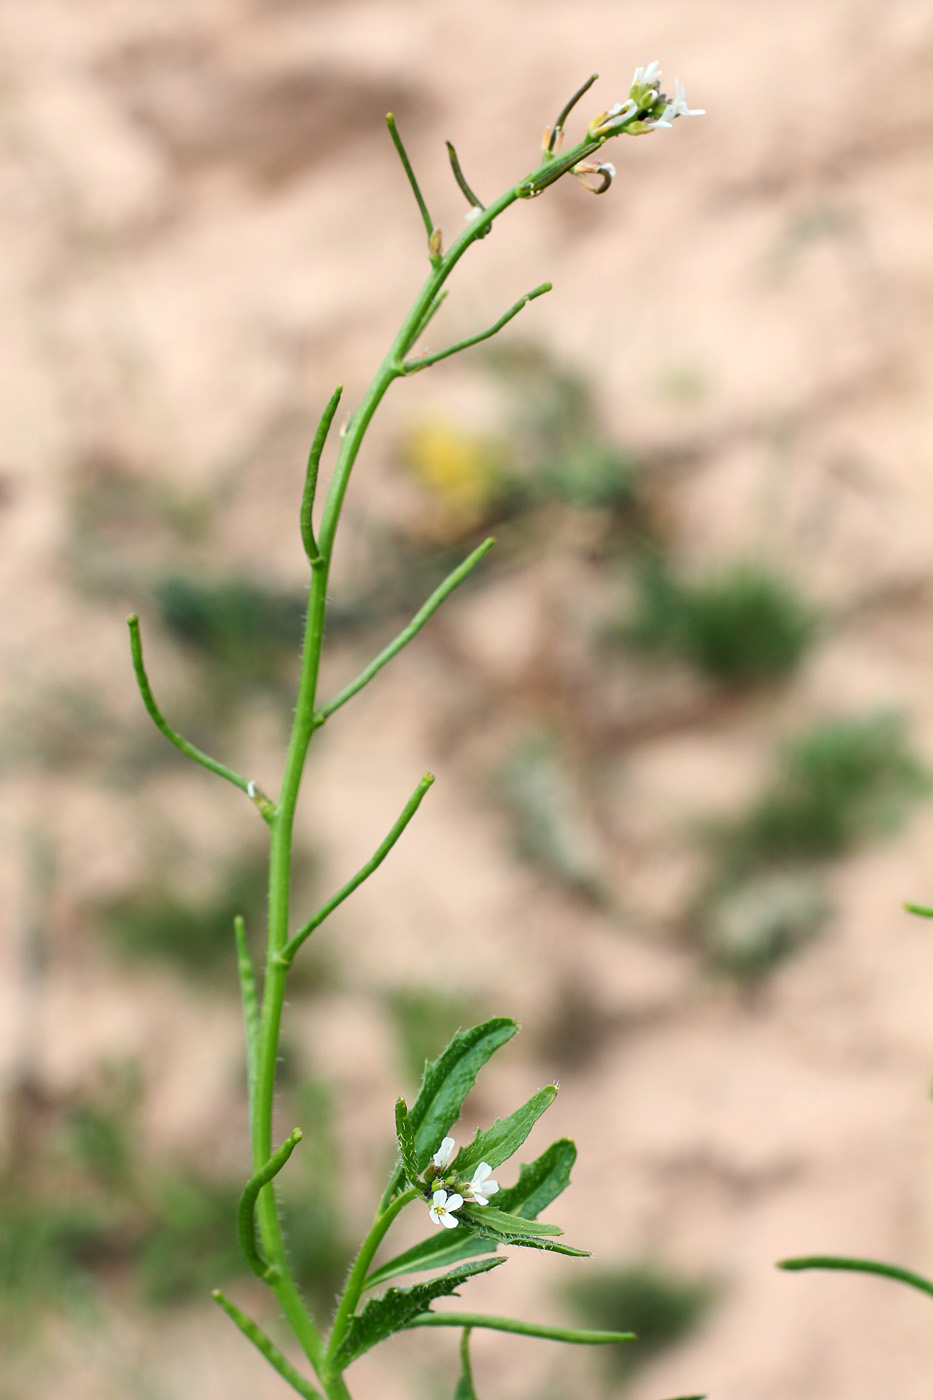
(444,1153)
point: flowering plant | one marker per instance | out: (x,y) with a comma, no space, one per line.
(456,1188)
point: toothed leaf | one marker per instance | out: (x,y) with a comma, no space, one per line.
(396,1308)
(497,1144)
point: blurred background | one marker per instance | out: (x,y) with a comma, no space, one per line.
(681,718)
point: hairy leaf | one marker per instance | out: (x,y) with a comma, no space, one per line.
(512,1229)
(446,1083)
(397,1306)
(539,1182)
(436,1252)
(496,1144)
(488,1218)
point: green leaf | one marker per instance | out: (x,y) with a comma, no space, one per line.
(489,1218)
(448,1079)
(922,909)
(436,1252)
(497,1144)
(465,1389)
(446,1083)
(539,1183)
(406,1141)
(512,1229)
(396,1308)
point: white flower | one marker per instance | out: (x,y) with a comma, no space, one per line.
(481,1187)
(472,213)
(443,1154)
(679,108)
(644,77)
(441,1211)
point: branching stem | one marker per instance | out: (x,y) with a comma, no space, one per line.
(259,1212)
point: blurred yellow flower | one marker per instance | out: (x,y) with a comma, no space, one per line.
(460,470)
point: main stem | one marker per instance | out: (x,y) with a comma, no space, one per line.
(307,719)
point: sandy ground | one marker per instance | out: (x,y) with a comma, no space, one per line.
(202,228)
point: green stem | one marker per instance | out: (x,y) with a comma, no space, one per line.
(356,1281)
(424,613)
(580,1336)
(859,1266)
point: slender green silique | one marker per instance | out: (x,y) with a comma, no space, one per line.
(246,1213)
(859,1266)
(577,1335)
(267,1346)
(259,1226)
(306,516)
(287,954)
(162,724)
(251,1018)
(426,611)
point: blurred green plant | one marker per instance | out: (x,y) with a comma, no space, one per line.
(844,781)
(84,1205)
(740,625)
(550,829)
(561,449)
(250,630)
(660,1306)
(191,932)
(753,925)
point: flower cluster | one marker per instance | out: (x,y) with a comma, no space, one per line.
(448,1197)
(646,108)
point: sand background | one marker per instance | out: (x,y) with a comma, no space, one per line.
(202,229)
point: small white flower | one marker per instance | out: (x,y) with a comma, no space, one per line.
(679,108)
(443,1154)
(647,75)
(481,1187)
(441,1211)
(473,213)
